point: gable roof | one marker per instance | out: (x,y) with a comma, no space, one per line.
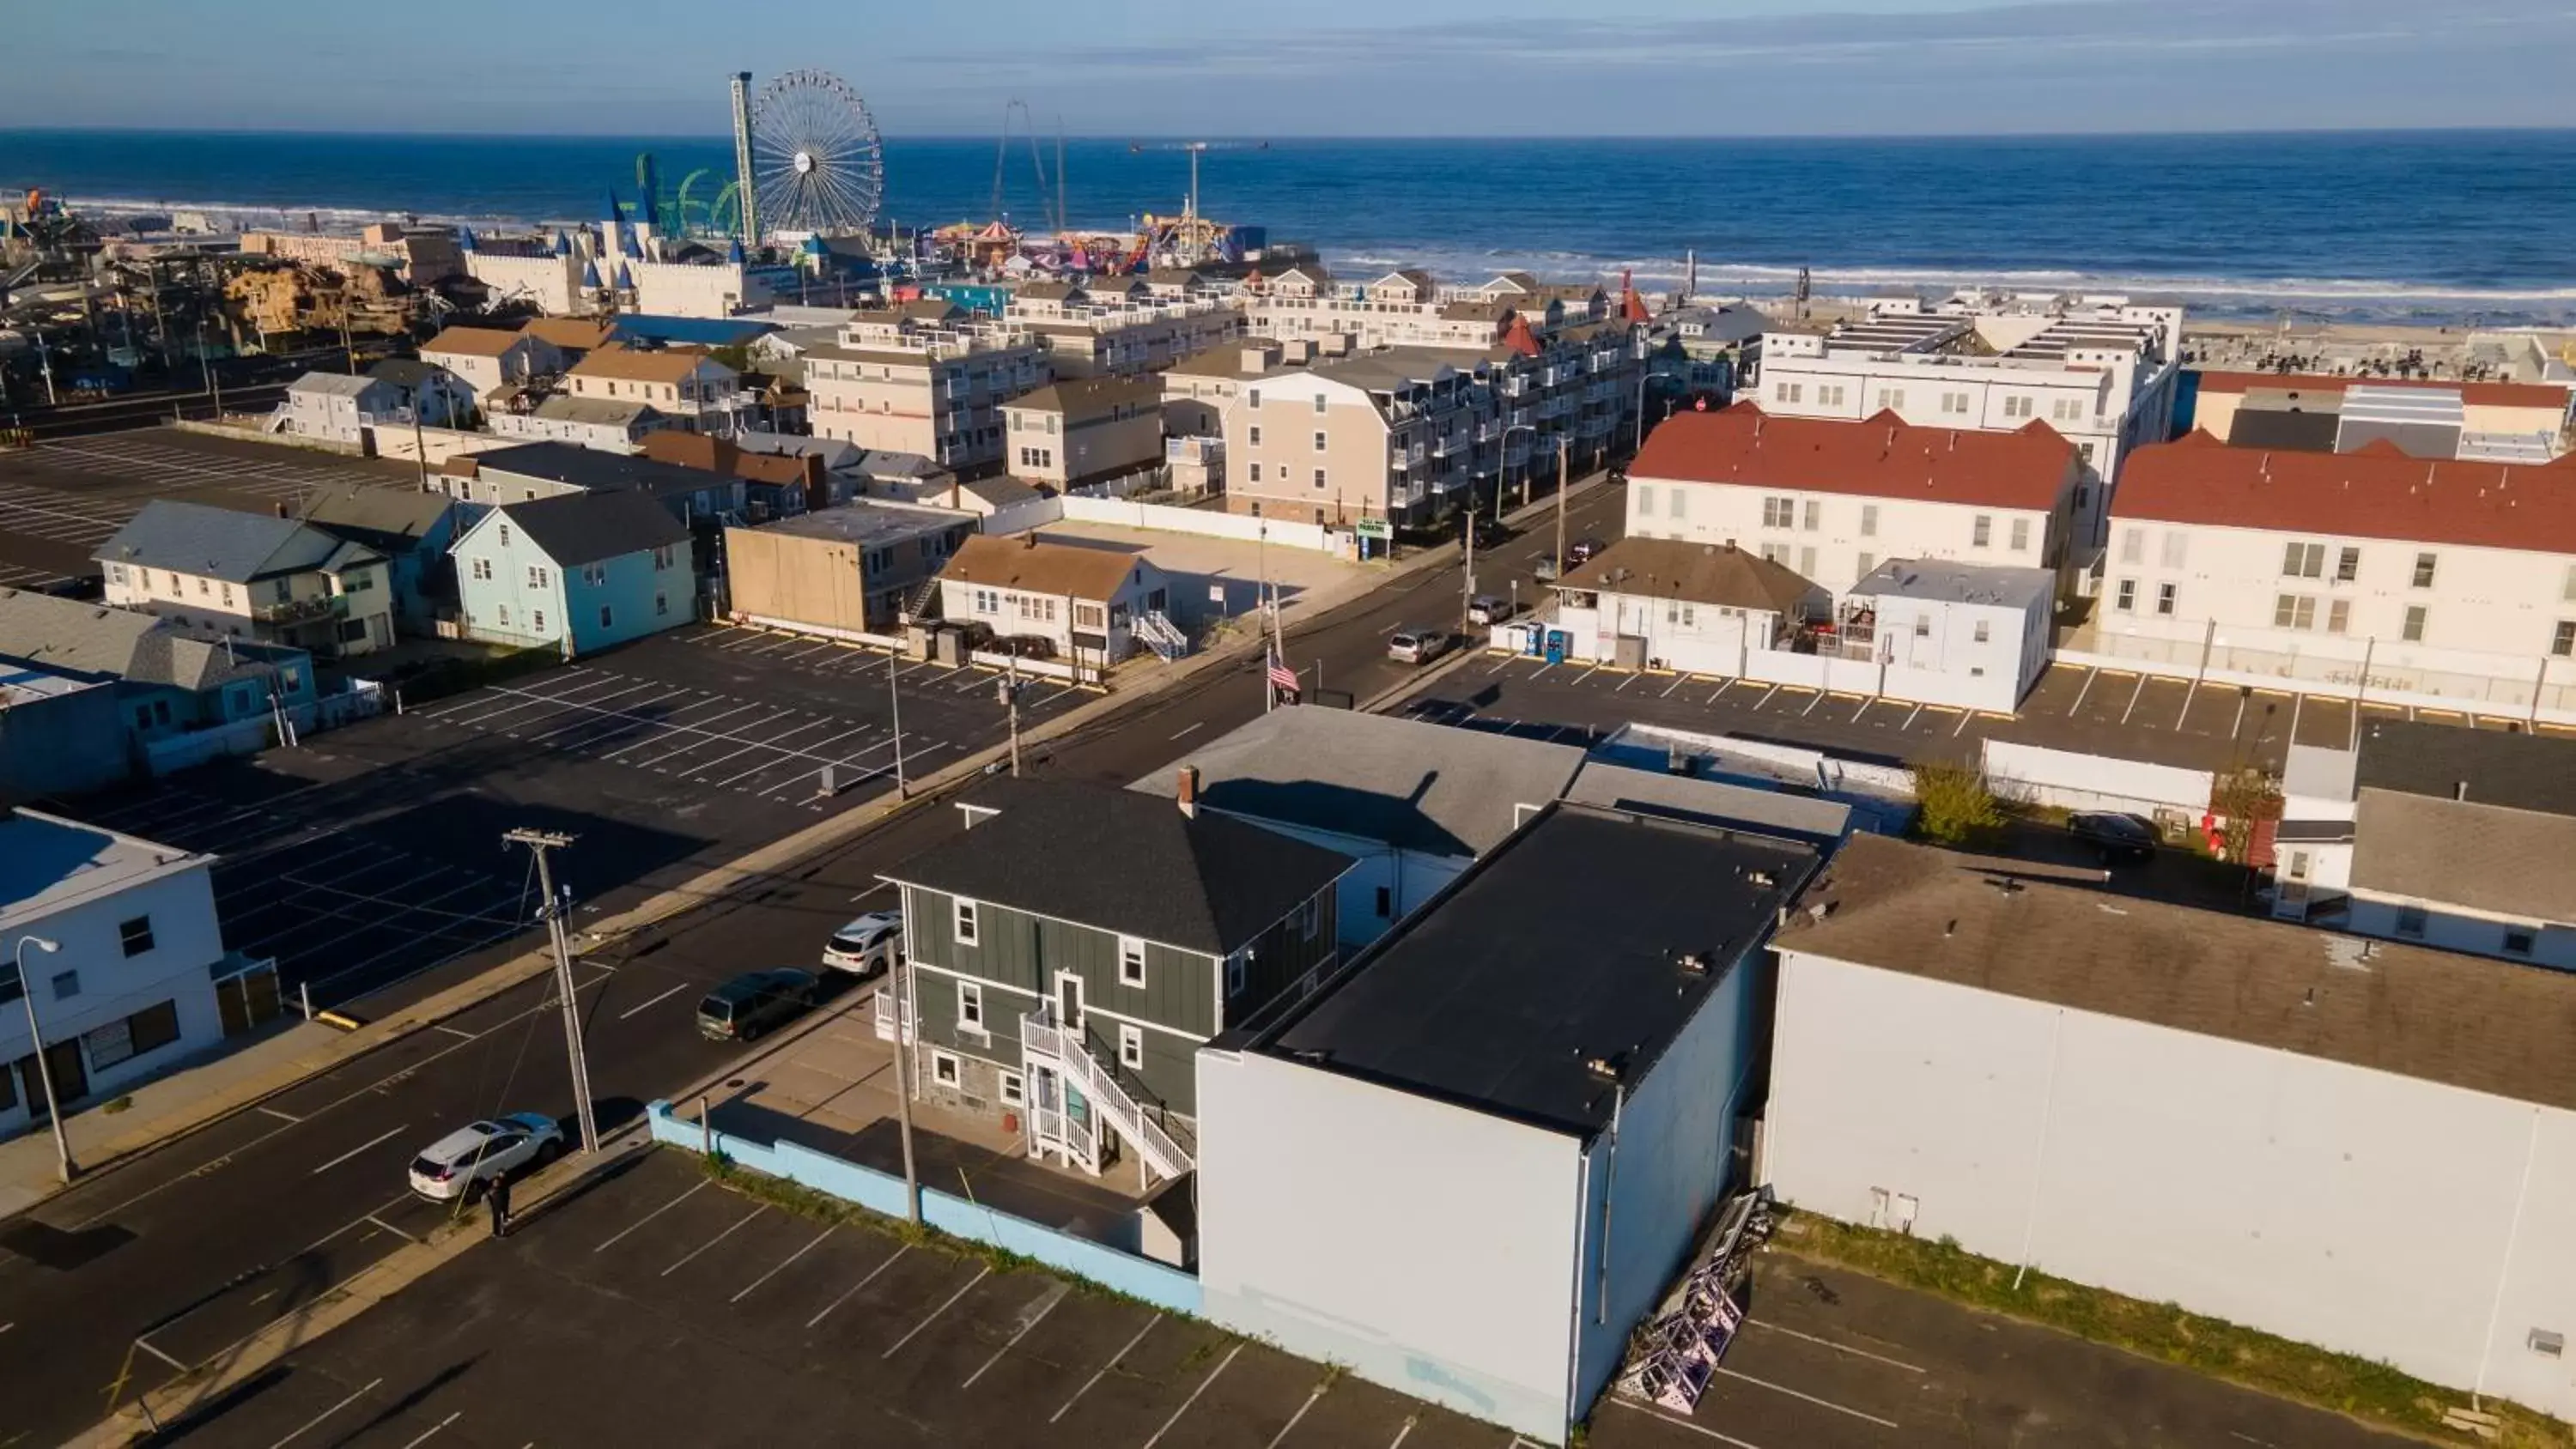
(473,342)
(1406,783)
(1884,457)
(582,528)
(2485,856)
(99,642)
(578,467)
(1082,397)
(219,543)
(572,334)
(1702,573)
(2486,1026)
(406,371)
(2354,495)
(2488,767)
(380,518)
(1036,567)
(613,411)
(1119,861)
(628,365)
(723,456)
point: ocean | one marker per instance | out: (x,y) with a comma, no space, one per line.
(2431,228)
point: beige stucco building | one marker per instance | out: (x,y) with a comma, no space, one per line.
(489,358)
(680,382)
(1085,430)
(923,377)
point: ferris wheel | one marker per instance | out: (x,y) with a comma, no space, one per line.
(816,163)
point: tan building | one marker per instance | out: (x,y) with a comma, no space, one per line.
(1198,388)
(1119,325)
(1087,430)
(681,382)
(1395,434)
(490,358)
(923,377)
(421,254)
(852,569)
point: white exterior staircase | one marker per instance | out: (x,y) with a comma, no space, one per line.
(1160,634)
(1044,1043)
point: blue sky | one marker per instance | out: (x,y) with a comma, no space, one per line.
(1312,67)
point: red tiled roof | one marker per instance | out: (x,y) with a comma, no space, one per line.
(1881,458)
(2474,394)
(2352,495)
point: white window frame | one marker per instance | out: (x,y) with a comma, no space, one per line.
(965,921)
(1014,1088)
(1131,960)
(1131,1046)
(970,1010)
(945,1068)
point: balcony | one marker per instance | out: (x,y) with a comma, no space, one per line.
(301,611)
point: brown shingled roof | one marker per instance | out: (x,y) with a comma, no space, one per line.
(1061,569)
(1881,458)
(2357,495)
(573,334)
(1699,573)
(627,364)
(471,342)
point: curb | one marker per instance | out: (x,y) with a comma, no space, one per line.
(160,1410)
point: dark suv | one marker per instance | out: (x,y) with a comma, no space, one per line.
(2117,838)
(754,1002)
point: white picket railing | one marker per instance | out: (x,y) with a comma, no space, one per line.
(1084,1073)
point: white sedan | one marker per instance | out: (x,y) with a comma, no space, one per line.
(462,1162)
(867,945)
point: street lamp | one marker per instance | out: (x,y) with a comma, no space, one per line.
(36,1039)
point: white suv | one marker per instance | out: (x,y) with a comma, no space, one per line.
(460,1163)
(867,945)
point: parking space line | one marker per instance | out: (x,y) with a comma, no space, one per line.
(1721,689)
(2078,703)
(656,1001)
(855,1287)
(1587,674)
(1678,1422)
(1221,1366)
(1866,1418)
(1910,717)
(1623,684)
(1104,1369)
(1766,696)
(739,1225)
(2133,699)
(1770,1327)
(693,1191)
(2245,697)
(1811,705)
(327,1413)
(148,1346)
(774,1272)
(354,1151)
(1403,1432)
(433,1429)
(1965,715)
(980,1275)
(1678,681)
(388,1227)
(280,1116)
(1316,1393)
(1045,1305)
(2296,701)
(1542,669)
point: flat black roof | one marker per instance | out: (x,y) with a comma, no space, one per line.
(1562,947)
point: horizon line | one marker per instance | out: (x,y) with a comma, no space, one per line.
(1275,138)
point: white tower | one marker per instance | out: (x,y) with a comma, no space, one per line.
(746,197)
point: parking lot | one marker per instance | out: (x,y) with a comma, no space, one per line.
(2105,712)
(60,500)
(658,1307)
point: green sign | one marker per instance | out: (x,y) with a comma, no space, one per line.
(1377,528)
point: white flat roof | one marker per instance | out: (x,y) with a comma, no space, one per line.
(49,865)
(1959,583)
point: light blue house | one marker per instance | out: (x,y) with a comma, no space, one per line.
(578,572)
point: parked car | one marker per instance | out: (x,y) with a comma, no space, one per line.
(461,1163)
(1417,646)
(1488,609)
(867,945)
(2117,838)
(1547,570)
(1582,550)
(754,1002)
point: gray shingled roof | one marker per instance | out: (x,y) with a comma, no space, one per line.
(95,641)
(381,518)
(1419,786)
(194,538)
(2490,767)
(2463,853)
(331,383)
(1125,862)
(581,528)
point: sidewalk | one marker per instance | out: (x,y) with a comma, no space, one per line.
(171,1107)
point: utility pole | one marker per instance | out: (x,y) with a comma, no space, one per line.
(899,974)
(538,843)
(894,696)
(1467,584)
(1560,503)
(1011,697)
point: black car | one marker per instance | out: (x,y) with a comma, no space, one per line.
(2116,838)
(1582,550)
(754,1002)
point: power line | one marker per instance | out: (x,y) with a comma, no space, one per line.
(539,842)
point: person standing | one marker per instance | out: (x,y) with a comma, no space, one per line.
(499,1196)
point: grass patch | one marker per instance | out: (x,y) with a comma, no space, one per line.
(2372,1392)
(121,1104)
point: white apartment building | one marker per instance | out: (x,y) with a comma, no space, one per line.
(1834,500)
(124,959)
(251,575)
(2365,573)
(684,383)
(1971,635)
(925,378)
(1118,325)
(2099,371)
(490,358)
(335,407)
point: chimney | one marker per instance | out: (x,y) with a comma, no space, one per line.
(1186,791)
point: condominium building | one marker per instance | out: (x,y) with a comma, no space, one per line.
(1085,430)
(1833,500)
(2370,570)
(923,377)
(1119,325)
(2099,371)
(686,383)
(1411,308)
(2494,422)
(1395,435)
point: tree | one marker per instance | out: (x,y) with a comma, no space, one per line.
(1956,808)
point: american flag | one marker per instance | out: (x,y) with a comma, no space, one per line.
(1282,678)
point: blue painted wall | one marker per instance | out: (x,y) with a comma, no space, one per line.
(504,602)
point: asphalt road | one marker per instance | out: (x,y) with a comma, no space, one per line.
(190,1248)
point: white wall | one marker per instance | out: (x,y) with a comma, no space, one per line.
(1852,534)
(2071,780)
(1279,532)
(2454,927)
(2356,1210)
(1409,877)
(1430,1248)
(552,283)
(680,289)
